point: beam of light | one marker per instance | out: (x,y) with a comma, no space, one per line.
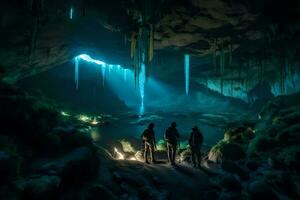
(187,72)
(142,80)
(118,68)
(103,75)
(71,12)
(76,71)
(125,74)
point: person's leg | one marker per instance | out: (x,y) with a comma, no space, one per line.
(169,152)
(193,156)
(199,156)
(146,152)
(174,148)
(151,153)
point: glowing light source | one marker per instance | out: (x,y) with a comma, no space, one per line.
(65,114)
(76,72)
(187,72)
(71,12)
(94,122)
(142,74)
(119,155)
(125,74)
(88,58)
(84,118)
(142,80)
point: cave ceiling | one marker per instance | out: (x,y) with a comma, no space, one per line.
(36,35)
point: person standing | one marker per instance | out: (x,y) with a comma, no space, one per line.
(148,138)
(172,137)
(195,142)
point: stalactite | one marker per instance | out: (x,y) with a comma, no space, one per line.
(76,72)
(133,44)
(103,74)
(230,54)
(151,43)
(187,72)
(36,7)
(215,55)
(222,67)
(283,74)
(247,75)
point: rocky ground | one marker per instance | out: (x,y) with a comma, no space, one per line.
(46,156)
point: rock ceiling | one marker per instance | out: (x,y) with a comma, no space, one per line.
(36,35)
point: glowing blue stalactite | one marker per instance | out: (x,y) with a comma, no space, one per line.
(118,68)
(71,12)
(76,71)
(103,75)
(142,80)
(187,72)
(125,74)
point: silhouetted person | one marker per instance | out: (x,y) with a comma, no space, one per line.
(171,137)
(195,142)
(148,138)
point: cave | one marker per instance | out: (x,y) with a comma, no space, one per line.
(149,99)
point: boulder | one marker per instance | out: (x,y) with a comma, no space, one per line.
(252,165)
(75,167)
(231,183)
(99,192)
(234,168)
(259,189)
(40,187)
(290,157)
(226,151)
(9,166)
(230,196)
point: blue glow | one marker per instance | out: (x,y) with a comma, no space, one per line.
(76,71)
(142,81)
(142,76)
(71,13)
(103,74)
(187,72)
(125,74)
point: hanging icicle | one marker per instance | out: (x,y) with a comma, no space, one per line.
(187,72)
(103,74)
(71,12)
(125,74)
(222,67)
(76,72)
(214,54)
(151,43)
(230,54)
